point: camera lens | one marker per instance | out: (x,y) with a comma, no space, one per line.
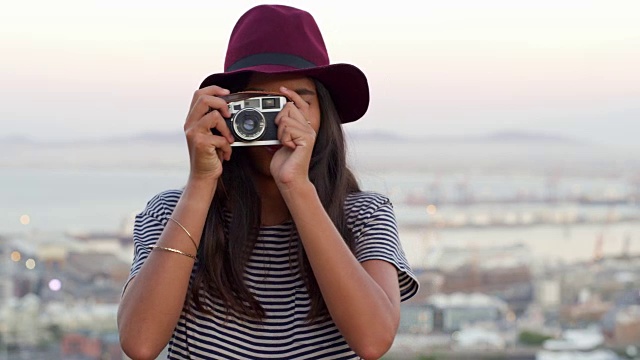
(249,124)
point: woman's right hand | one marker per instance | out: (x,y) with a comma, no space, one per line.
(206,150)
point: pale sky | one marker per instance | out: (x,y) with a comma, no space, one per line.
(73,69)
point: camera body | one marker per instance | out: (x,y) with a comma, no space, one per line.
(253,115)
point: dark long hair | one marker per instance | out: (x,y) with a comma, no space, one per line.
(233,221)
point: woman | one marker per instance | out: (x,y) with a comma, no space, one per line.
(269,251)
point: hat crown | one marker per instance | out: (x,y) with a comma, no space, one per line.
(279,39)
(266,33)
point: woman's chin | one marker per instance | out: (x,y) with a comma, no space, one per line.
(261,157)
(271,149)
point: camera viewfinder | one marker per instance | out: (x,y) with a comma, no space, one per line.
(270,103)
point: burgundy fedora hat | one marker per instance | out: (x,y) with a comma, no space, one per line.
(277,39)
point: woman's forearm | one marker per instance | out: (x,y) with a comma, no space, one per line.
(361,298)
(153,300)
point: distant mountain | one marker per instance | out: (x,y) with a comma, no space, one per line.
(494,138)
(515,136)
(368,151)
(374,135)
(15,139)
(159,137)
(359,136)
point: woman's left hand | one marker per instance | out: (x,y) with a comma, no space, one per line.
(290,164)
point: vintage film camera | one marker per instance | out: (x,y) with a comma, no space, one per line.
(252,117)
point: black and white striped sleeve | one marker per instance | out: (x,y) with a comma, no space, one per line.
(148,227)
(376,236)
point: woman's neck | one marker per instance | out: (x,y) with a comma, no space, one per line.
(274,210)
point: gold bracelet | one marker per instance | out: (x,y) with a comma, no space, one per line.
(186,231)
(172,250)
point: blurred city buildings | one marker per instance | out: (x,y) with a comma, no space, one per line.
(511,266)
(61,294)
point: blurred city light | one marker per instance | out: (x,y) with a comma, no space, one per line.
(25,219)
(55,285)
(432,209)
(16,256)
(30,264)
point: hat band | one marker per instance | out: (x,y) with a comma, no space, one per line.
(271,59)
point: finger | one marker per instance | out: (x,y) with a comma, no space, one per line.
(282,130)
(298,101)
(205,105)
(212,90)
(209,144)
(214,120)
(291,111)
(288,130)
(280,135)
(222,146)
(208,103)
(286,138)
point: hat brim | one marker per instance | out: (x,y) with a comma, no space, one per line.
(347,85)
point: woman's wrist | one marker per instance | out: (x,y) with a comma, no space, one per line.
(297,192)
(200,188)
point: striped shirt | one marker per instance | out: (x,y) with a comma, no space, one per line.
(273,277)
